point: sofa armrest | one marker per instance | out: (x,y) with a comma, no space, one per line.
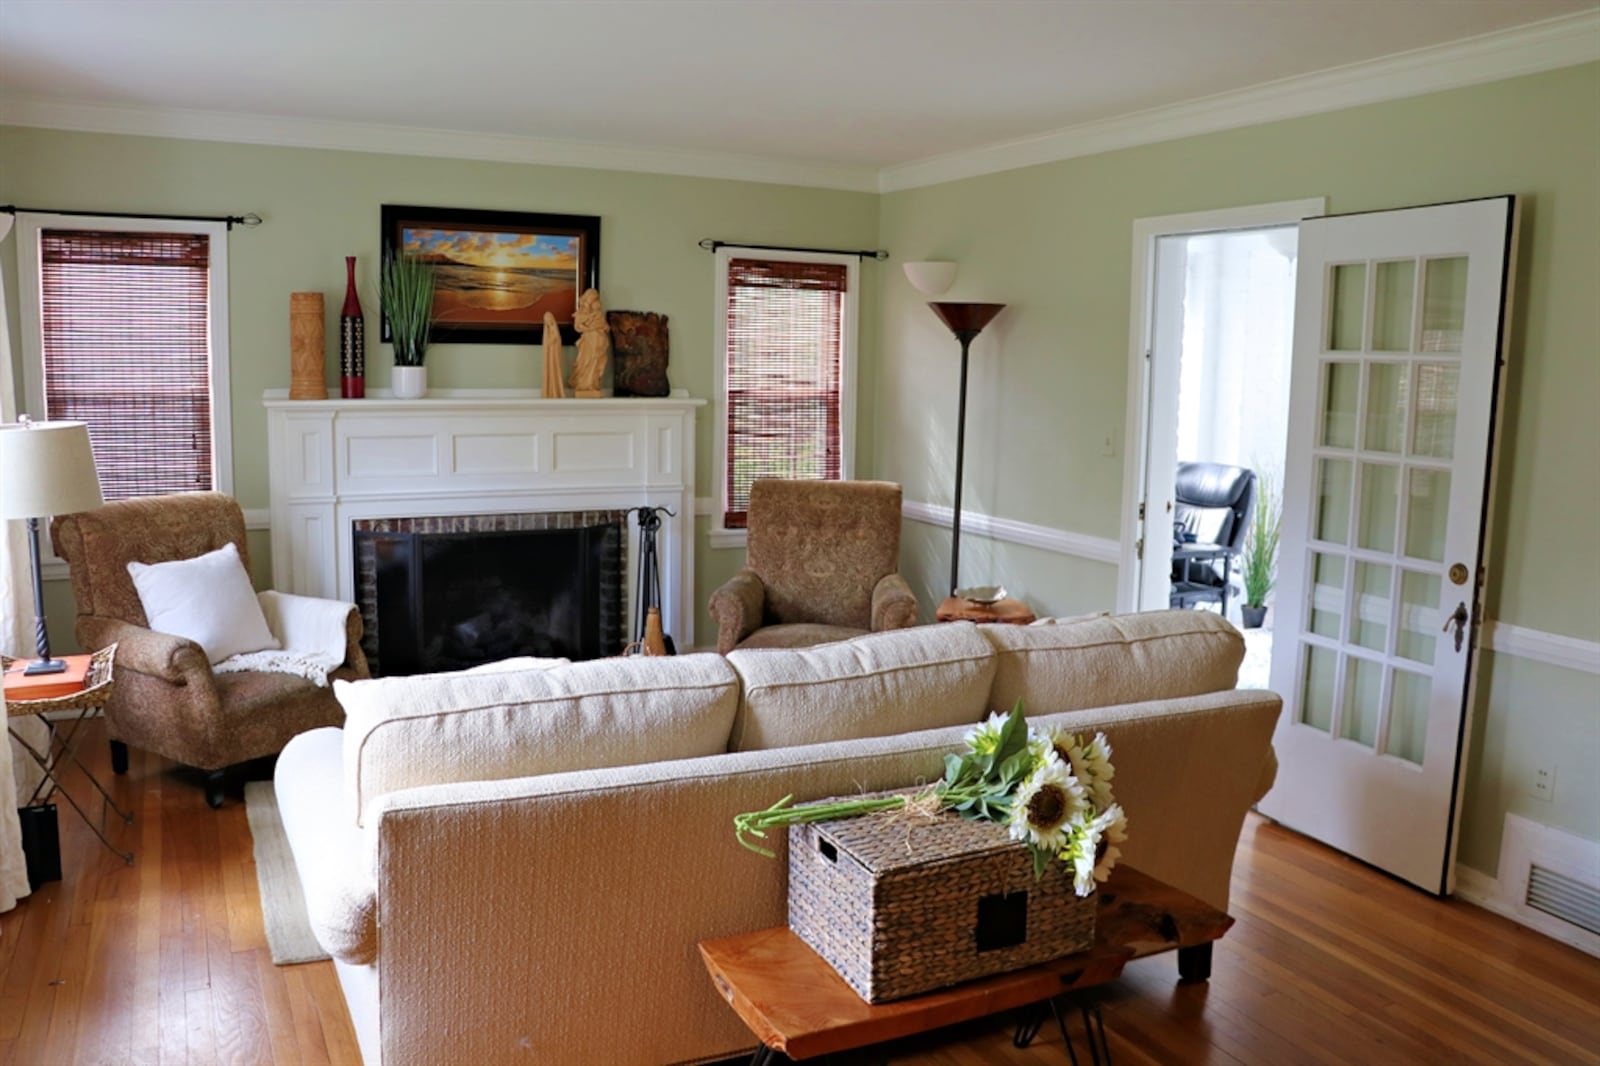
(173,659)
(737,607)
(331,853)
(894,605)
(1269,776)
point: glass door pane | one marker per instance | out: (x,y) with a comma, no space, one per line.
(1380,500)
(1444,304)
(1438,387)
(1391,306)
(1349,307)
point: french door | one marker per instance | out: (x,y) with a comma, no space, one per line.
(1399,322)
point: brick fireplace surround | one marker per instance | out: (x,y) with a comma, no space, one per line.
(472,452)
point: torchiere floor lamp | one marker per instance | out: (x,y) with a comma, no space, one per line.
(966,321)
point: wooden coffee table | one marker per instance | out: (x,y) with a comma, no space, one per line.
(796,1004)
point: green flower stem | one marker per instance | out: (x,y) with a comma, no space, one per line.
(754,824)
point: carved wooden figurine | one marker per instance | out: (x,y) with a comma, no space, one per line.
(594,346)
(552,389)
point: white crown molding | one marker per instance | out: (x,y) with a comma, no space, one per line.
(286,132)
(1061,541)
(1572,653)
(1548,45)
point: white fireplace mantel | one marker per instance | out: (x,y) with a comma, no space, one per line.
(477,451)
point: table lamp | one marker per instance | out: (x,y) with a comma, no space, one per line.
(46,468)
(966,321)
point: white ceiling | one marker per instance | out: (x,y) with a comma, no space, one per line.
(854,83)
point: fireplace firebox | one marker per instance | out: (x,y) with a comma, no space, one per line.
(446,594)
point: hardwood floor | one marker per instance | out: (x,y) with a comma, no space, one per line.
(1330,962)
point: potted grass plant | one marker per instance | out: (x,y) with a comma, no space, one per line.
(405,289)
(1259,569)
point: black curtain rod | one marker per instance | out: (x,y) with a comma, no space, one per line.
(710,245)
(249,221)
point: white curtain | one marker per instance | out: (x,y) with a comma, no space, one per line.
(1238,325)
(16,638)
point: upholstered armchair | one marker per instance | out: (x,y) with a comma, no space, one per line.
(167,699)
(822,564)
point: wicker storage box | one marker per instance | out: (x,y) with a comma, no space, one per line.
(902,904)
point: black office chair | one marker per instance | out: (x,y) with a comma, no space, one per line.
(1211,520)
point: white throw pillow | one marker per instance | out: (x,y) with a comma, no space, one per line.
(207,599)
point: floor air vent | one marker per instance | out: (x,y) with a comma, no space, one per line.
(1549,880)
(1564,897)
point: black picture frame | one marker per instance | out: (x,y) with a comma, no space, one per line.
(453,235)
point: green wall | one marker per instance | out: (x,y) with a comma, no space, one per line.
(1054,242)
(320,206)
(1048,378)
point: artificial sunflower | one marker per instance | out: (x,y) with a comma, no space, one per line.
(1046,804)
(984,738)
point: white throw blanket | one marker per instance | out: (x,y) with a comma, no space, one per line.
(311,632)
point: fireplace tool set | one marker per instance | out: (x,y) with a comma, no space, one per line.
(648,637)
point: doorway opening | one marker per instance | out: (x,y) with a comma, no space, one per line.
(1217,321)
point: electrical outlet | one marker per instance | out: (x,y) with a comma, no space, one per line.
(1543,783)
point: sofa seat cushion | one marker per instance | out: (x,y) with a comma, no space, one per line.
(799,635)
(1103,662)
(873,686)
(487,724)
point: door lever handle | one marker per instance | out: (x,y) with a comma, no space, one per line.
(1458,621)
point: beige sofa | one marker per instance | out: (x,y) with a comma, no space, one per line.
(515,863)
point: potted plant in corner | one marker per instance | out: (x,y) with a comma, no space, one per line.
(1259,569)
(405,290)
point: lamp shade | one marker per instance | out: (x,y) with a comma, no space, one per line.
(932,277)
(966,317)
(46,468)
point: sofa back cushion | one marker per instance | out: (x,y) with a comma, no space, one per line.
(538,717)
(1112,660)
(872,686)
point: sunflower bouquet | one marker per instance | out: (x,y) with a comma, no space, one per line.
(1051,789)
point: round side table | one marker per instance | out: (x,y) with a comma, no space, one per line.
(1007,611)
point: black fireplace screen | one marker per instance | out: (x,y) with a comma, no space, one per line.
(450,600)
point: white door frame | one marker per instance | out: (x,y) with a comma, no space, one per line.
(1141,315)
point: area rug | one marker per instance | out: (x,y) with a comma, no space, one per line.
(283,904)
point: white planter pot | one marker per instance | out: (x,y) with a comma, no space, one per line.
(409,382)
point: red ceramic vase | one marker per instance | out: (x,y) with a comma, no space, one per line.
(352,339)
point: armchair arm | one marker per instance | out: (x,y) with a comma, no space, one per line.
(175,660)
(317,626)
(354,658)
(894,606)
(737,606)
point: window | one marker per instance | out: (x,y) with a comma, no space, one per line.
(125,328)
(786,328)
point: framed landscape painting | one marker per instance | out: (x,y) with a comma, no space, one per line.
(496,273)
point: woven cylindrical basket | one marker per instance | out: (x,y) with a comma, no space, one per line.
(901,904)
